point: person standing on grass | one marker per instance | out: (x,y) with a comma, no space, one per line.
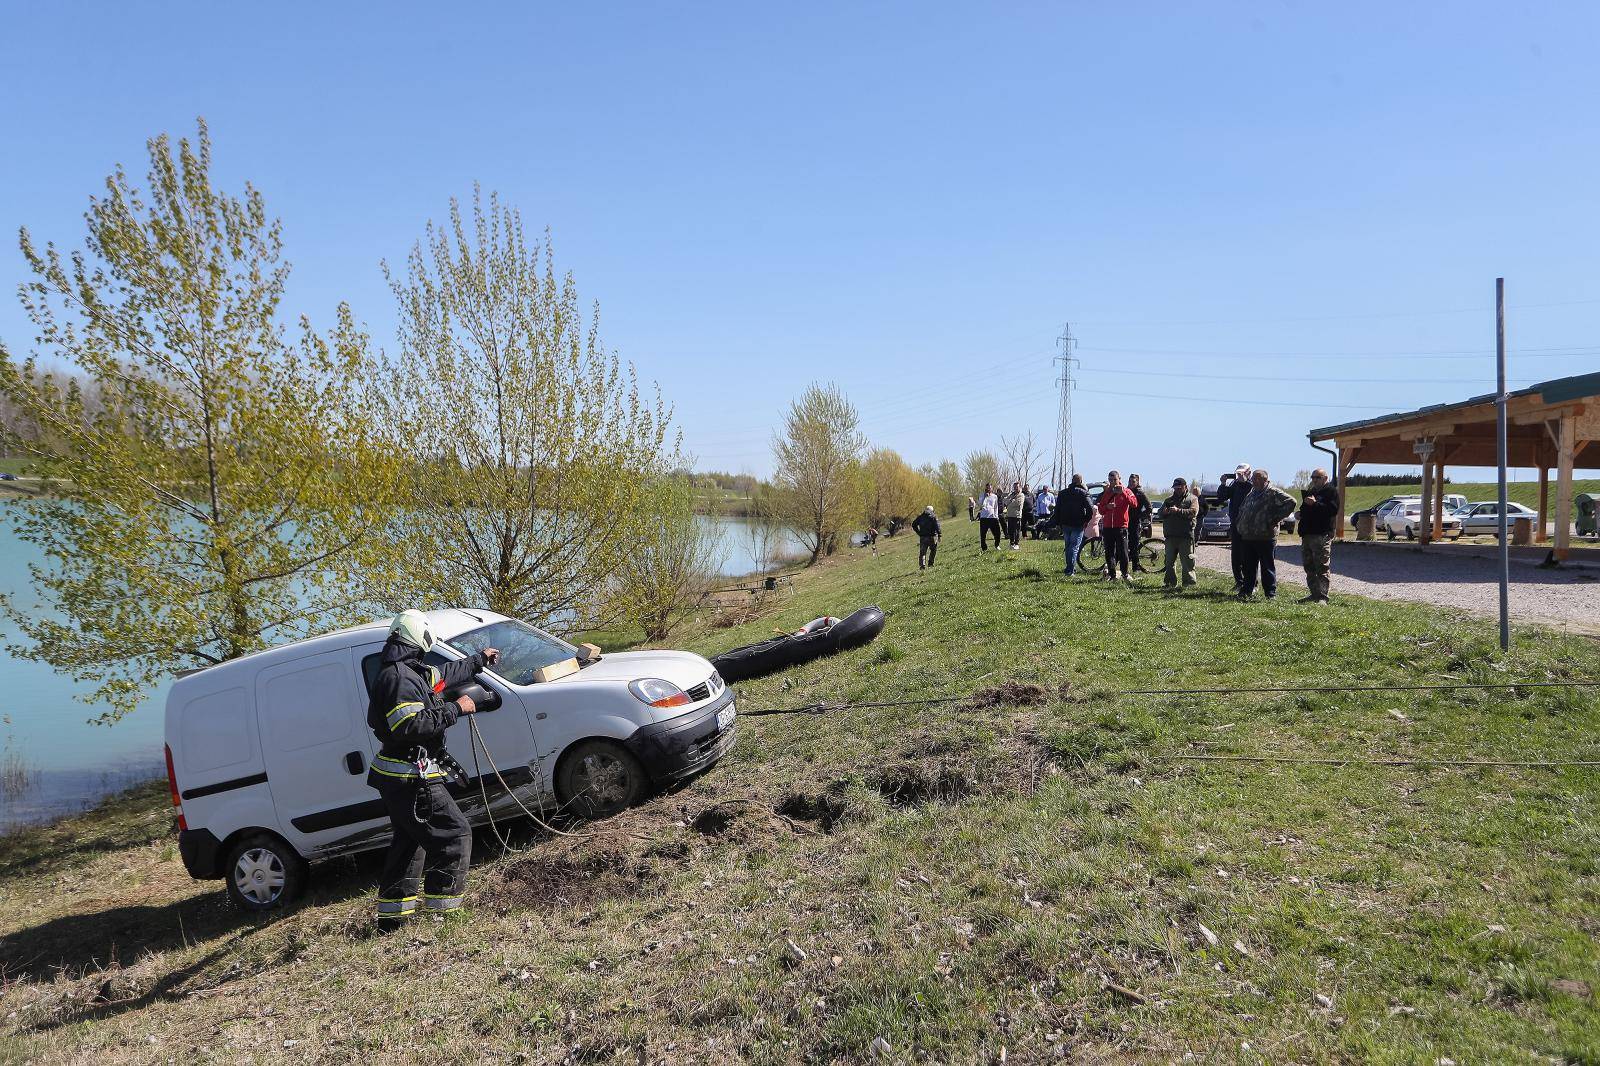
(1071,515)
(989,518)
(1043,504)
(1319,512)
(1178,517)
(1232,492)
(926,527)
(1257,526)
(1136,524)
(1016,500)
(1117,506)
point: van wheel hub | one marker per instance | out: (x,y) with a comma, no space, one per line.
(259,875)
(602,778)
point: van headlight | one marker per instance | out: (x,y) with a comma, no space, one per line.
(658,693)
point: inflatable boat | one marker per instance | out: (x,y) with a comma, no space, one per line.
(821,637)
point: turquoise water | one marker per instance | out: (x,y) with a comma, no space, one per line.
(57,762)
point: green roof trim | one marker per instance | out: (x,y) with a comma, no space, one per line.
(1557,390)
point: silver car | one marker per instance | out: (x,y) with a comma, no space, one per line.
(1485,517)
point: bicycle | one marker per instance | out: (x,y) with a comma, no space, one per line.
(1092,555)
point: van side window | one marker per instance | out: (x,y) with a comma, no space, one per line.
(370,664)
(305,708)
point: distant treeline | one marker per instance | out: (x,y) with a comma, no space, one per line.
(1386,479)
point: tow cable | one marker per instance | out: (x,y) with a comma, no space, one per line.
(483,789)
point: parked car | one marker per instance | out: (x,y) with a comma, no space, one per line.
(1405,521)
(1216,523)
(267,754)
(1381,509)
(7,477)
(1485,517)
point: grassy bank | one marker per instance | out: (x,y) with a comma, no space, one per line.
(1039,869)
(1523,492)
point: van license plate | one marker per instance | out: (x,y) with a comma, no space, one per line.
(725,719)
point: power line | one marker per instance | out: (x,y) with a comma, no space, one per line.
(1264,377)
(1527,353)
(1328,318)
(1245,403)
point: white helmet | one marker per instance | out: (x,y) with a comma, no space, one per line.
(411,627)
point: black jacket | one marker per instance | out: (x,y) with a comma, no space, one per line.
(1232,492)
(1073,509)
(1145,510)
(926,525)
(407,712)
(1319,511)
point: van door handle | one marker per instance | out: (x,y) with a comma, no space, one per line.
(541,716)
(354,763)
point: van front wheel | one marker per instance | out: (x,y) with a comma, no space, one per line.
(264,873)
(598,779)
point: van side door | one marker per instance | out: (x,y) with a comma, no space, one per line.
(317,746)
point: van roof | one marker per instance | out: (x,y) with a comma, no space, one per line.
(447,623)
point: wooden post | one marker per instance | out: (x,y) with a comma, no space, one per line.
(1539,535)
(1438,499)
(1564,455)
(1347,461)
(1424,522)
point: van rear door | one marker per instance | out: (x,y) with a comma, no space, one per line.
(317,746)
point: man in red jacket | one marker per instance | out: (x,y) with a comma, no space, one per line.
(1117,507)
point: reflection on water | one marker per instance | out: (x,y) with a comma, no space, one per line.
(53,762)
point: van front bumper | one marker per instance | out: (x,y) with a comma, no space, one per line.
(672,750)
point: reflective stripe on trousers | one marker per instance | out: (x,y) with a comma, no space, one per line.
(396,908)
(442,903)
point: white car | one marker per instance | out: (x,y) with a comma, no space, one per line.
(1406,520)
(267,754)
(1485,517)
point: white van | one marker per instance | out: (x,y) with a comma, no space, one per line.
(267,754)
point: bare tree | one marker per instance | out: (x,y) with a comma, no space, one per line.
(1022,457)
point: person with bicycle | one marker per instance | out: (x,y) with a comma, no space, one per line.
(1140,521)
(1178,517)
(1072,514)
(1117,508)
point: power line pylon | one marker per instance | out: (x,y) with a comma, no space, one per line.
(1065,463)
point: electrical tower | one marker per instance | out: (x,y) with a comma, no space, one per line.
(1065,463)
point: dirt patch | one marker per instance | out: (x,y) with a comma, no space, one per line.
(823,811)
(950,769)
(558,878)
(744,822)
(1010,694)
(916,785)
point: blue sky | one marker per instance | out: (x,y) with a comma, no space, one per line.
(906,199)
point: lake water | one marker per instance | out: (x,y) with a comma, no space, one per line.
(53,761)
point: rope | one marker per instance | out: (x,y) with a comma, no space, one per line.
(477,740)
(824,705)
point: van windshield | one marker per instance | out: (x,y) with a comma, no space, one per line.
(523,649)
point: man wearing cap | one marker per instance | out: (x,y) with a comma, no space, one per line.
(432,839)
(926,527)
(1232,492)
(1178,516)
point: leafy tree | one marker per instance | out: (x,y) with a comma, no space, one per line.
(664,578)
(212,486)
(951,485)
(537,457)
(818,459)
(981,468)
(892,488)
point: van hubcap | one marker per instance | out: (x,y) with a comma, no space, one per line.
(603,778)
(259,876)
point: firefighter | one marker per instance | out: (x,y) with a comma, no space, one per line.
(432,840)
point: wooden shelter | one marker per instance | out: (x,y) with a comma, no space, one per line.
(1555,424)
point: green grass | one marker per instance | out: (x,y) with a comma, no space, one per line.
(961,878)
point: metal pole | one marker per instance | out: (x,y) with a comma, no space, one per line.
(1500,444)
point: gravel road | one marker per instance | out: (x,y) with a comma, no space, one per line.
(1568,599)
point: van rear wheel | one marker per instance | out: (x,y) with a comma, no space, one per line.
(264,873)
(599,779)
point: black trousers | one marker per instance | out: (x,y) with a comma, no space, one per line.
(432,844)
(1013,529)
(985,527)
(1133,541)
(927,548)
(1238,556)
(1258,558)
(1116,543)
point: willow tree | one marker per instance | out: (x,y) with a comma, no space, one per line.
(947,477)
(981,468)
(818,468)
(217,493)
(533,453)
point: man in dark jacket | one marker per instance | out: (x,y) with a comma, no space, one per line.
(1319,517)
(1257,529)
(1136,523)
(1178,516)
(432,839)
(1231,492)
(1073,511)
(926,527)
